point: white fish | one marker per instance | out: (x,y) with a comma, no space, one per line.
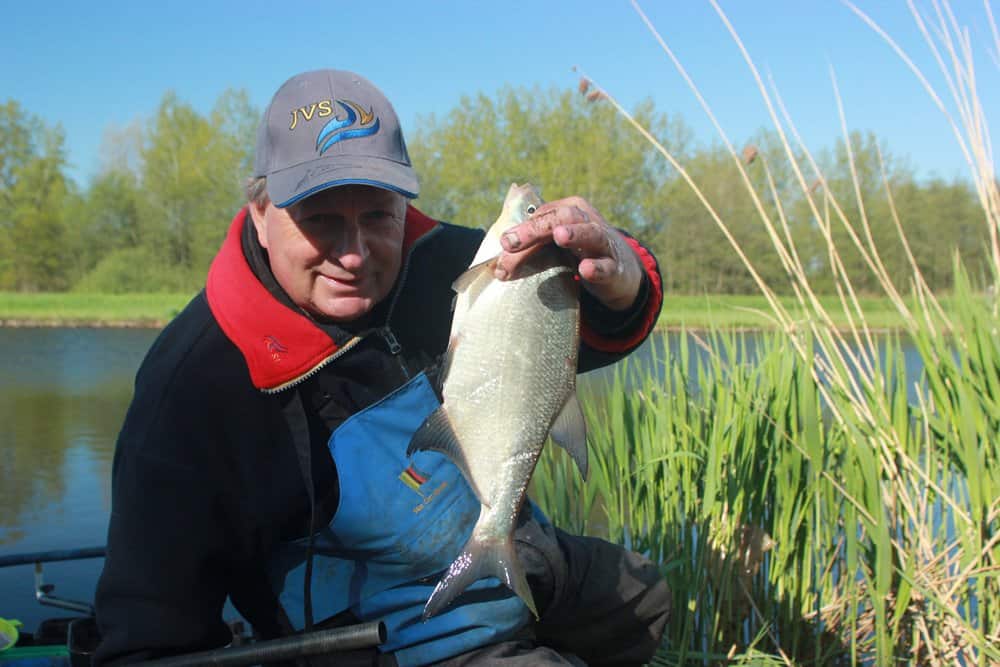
(509,382)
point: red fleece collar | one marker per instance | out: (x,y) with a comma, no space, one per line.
(278,343)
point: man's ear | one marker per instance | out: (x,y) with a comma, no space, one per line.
(257,212)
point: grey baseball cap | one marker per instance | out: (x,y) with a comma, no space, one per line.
(328,128)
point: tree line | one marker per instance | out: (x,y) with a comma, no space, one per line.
(156,211)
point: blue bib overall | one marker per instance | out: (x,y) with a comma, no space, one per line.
(399,524)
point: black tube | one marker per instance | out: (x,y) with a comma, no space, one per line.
(50,556)
(351,637)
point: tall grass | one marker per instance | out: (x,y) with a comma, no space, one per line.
(809,501)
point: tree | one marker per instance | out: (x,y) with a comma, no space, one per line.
(697,256)
(939,220)
(108,218)
(33,190)
(553,139)
(157,215)
(861,197)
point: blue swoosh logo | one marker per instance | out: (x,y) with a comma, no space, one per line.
(330,135)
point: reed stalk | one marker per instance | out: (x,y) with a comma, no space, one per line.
(811,498)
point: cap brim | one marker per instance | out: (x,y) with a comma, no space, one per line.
(296,183)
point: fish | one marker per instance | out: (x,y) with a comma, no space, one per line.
(508,382)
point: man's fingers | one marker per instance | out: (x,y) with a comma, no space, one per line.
(529,233)
(572,227)
(598,270)
(586,240)
(538,229)
(608,267)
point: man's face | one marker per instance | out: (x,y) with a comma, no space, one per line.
(338,252)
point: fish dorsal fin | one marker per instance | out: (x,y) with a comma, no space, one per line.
(569,431)
(437,434)
(469,276)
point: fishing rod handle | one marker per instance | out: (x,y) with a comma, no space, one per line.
(351,637)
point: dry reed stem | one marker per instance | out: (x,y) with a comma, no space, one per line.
(762,285)
(921,282)
(874,261)
(979,157)
(939,576)
(845,381)
(890,448)
(780,312)
(850,302)
(764,624)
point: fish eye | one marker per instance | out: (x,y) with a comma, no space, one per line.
(531,209)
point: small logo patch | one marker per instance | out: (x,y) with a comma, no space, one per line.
(275,347)
(413,478)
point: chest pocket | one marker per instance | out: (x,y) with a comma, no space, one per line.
(399,524)
(399,519)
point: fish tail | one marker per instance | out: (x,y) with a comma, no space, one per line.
(478,560)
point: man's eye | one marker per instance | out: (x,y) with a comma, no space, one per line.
(378,216)
(314,221)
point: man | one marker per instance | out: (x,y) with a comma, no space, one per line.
(263,456)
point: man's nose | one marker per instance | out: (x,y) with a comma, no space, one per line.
(351,246)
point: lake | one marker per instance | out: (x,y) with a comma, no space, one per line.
(63,396)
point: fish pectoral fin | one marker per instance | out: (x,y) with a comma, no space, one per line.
(469,276)
(569,431)
(437,434)
(449,356)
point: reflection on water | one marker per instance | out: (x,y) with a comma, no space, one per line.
(63,395)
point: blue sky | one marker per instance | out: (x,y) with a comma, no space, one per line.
(91,66)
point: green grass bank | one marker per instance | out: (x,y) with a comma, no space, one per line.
(94,310)
(155,310)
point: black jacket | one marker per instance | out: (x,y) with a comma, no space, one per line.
(206,480)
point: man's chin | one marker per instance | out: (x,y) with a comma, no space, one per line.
(344,308)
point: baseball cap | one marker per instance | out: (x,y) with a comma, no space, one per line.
(327,128)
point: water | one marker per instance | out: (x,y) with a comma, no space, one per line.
(658,349)
(63,395)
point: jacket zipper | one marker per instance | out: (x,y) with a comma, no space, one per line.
(386,331)
(394,349)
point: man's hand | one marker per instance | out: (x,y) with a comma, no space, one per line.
(609,268)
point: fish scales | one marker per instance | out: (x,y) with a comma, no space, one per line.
(485,390)
(510,374)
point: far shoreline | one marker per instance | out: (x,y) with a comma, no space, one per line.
(156,325)
(28,323)
(748,313)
